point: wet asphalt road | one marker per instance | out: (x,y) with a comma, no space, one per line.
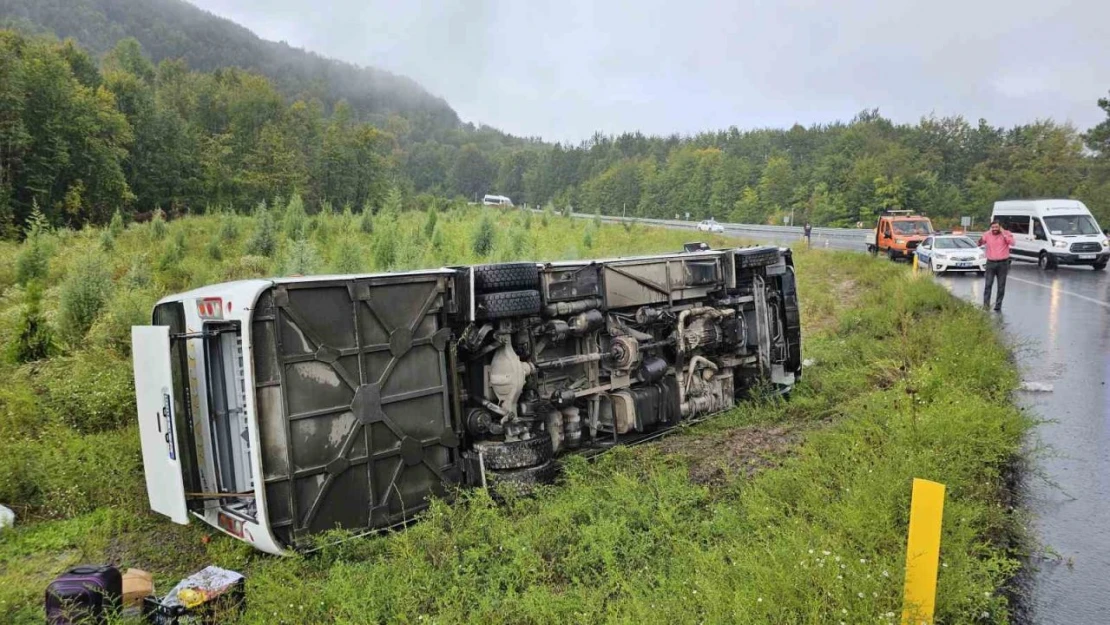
(1059,325)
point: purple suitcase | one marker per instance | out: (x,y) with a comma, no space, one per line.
(84,594)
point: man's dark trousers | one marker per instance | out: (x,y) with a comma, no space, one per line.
(999,268)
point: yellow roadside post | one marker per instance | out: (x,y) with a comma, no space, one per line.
(915,264)
(923,552)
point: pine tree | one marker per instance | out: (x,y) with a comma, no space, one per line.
(264,240)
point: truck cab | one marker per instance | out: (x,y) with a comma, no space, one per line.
(898,233)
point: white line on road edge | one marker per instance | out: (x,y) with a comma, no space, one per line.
(1049,287)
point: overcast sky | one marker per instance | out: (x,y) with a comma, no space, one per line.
(565,69)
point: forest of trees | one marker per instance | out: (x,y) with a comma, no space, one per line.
(174,29)
(83,136)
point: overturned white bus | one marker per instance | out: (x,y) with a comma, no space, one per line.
(277,409)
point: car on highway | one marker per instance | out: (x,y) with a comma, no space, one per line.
(943,253)
(276,410)
(711,225)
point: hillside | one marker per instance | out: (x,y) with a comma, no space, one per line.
(171,29)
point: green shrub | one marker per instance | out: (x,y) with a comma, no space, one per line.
(366,221)
(385,244)
(483,238)
(116,225)
(229,228)
(138,275)
(264,240)
(323,230)
(91,391)
(349,257)
(158,225)
(107,241)
(248,267)
(127,307)
(409,248)
(33,261)
(83,294)
(214,249)
(21,413)
(62,473)
(588,238)
(545,219)
(527,221)
(430,221)
(277,207)
(437,239)
(295,221)
(34,339)
(301,259)
(173,254)
(394,202)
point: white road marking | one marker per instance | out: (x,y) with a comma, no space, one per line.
(1065,292)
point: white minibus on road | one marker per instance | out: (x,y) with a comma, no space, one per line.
(1053,232)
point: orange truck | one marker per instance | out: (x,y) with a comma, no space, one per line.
(898,233)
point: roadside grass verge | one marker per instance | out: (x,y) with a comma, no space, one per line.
(907,382)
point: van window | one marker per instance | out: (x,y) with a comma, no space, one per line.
(1017,224)
(1038,230)
(1071,225)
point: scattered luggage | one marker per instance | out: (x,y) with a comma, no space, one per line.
(208,597)
(84,594)
(137,585)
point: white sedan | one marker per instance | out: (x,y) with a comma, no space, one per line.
(710,225)
(951,252)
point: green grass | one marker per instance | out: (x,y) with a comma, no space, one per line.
(908,383)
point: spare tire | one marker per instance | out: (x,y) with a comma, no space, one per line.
(515,454)
(507,304)
(506,277)
(521,482)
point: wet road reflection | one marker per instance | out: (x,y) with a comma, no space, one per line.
(1059,323)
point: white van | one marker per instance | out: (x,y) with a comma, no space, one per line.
(496,200)
(1053,232)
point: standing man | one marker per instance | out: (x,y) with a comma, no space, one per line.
(998,242)
(808,230)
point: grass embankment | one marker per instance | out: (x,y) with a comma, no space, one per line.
(907,383)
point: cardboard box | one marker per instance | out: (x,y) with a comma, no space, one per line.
(136,585)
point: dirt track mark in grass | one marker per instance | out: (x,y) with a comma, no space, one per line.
(715,459)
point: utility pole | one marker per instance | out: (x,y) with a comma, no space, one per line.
(791,215)
(624,210)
